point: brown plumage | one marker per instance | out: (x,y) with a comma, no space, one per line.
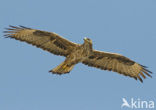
(77,53)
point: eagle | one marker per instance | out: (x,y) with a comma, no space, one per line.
(77,53)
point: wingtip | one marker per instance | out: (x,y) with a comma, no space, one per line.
(16,27)
(140,79)
(13,26)
(143,66)
(8,29)
(148,70)
(21,26)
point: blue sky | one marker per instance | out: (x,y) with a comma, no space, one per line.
(127,27)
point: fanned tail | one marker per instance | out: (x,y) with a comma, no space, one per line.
(62,68)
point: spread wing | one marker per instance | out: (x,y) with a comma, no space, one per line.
(117,63)
(46,40)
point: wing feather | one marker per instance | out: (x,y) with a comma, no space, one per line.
(48,41)
(117,63)
(109,65)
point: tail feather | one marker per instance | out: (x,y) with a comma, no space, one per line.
(62,69)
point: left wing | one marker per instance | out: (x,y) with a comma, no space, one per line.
(49,41)
(117,63)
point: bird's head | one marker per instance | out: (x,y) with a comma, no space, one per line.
(87,44)
(87,40)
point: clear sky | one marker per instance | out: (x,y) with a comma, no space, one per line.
(127,27)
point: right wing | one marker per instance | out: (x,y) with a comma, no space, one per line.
(117,63)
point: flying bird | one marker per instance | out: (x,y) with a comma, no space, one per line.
(77,53)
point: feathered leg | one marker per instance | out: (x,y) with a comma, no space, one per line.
(62,68)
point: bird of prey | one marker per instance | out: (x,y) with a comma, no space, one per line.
(77,53)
